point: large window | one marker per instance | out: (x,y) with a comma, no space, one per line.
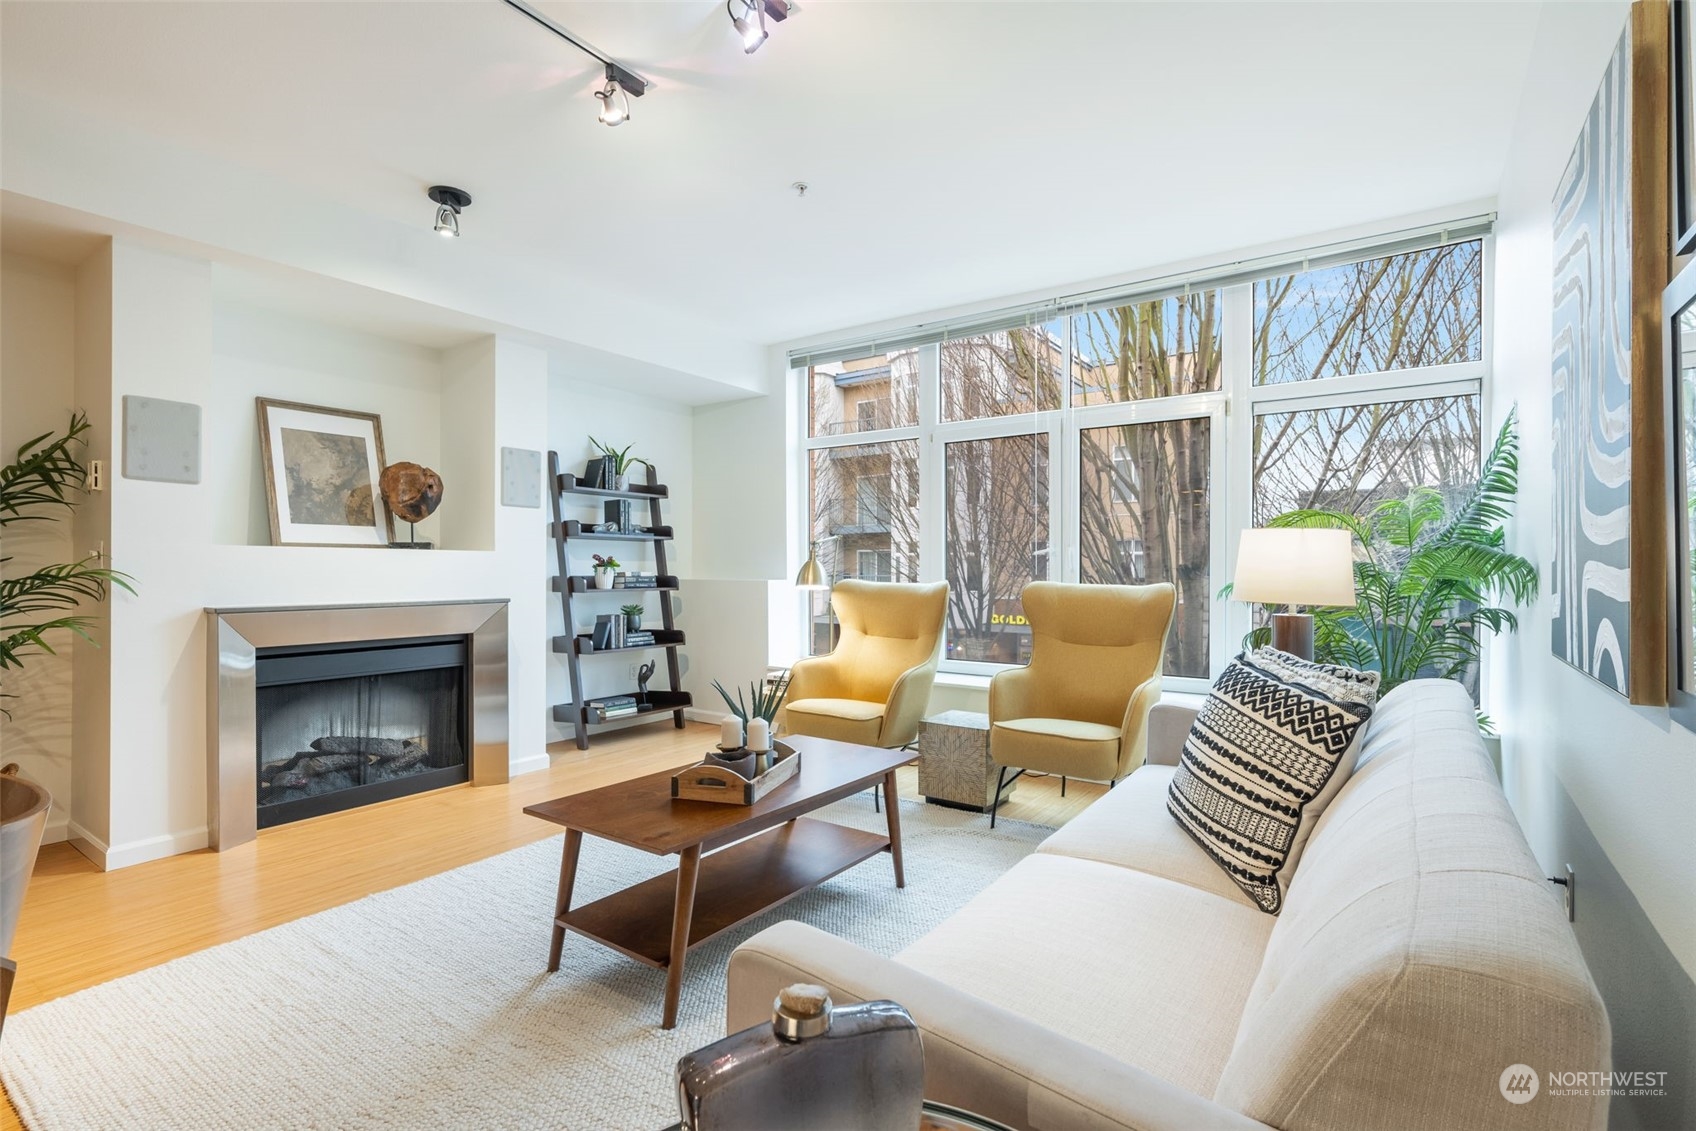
(864,515)
(1144,516)
(1128,442)
(1371,316)
(1353,457)
(995,542)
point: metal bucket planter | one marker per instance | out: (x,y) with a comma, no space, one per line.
(23,820)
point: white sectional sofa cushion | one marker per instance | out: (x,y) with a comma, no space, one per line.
(1110,982)
(1182,961)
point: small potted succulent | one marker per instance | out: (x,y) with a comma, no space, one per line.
(604,570)
(619,461)
(632,617)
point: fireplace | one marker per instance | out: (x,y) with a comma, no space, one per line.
(343,725)
(317,709)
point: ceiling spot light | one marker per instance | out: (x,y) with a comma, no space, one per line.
(615,104)
(750,24)
(449,201)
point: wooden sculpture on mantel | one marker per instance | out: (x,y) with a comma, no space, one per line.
(412,493)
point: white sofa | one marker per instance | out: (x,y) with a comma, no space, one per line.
(1116,978)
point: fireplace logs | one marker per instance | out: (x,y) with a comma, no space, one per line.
(345,756)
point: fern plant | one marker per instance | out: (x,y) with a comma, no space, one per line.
(764,699)
(37,487)
(1427,577)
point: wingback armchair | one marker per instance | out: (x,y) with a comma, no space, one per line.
(873,687)
(1080,708)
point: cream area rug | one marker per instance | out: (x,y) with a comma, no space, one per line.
(429,1006)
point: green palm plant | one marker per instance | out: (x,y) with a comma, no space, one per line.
(36,487)
(1427,576)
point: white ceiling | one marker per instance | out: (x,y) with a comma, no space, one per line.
(956,152)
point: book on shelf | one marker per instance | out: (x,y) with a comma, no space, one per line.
(638,639)
(614,701)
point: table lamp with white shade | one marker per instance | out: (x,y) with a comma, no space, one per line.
(1292,566)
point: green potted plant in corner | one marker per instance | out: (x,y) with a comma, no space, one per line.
(604,570)
(36,487)
(632,617)
(1429,576)
(619,461)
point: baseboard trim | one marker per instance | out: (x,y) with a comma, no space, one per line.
(58,830)
(702,715)
(528,765)
(86,843)
(111,857)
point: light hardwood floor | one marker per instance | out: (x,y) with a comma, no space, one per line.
(81,926)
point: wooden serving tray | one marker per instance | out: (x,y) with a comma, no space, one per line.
(707,782)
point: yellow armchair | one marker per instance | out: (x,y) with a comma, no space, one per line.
(1080,708)
(872,689)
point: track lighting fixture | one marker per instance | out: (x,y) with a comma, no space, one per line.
(750,24)
(622,84)
(449,201)
(615,104)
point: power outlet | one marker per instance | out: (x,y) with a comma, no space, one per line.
(633,672)
(1569,892)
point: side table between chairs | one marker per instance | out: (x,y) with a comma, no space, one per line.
(955,769)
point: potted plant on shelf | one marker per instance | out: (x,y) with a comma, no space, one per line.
(604,569)
(632,617)
(1427,578)
(619,461)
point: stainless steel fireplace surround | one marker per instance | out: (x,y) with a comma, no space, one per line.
(233,638)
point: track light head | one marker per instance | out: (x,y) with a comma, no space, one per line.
(615,103)
(751,24)
(449,201)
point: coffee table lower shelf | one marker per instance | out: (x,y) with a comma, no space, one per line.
(733,884)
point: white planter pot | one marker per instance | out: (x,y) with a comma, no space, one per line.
(603,579)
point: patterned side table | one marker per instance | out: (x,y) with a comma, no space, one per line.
(954,765)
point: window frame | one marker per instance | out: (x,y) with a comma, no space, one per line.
(1231,411)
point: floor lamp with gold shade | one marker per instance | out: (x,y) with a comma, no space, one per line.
(811,578)
(1292,566)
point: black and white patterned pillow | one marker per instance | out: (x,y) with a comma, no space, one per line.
(1274,742)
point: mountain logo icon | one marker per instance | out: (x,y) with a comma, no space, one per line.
(1519,1083)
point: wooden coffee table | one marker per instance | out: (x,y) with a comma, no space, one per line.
(774,853)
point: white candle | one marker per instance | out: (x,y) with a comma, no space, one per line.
(759,735)
(730,733)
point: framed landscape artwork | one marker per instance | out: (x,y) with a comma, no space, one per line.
(321,467)
(1611,250)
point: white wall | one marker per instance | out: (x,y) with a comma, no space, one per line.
(38,394)
(580,406)
(186,546)
(1595,782)
(257,353)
